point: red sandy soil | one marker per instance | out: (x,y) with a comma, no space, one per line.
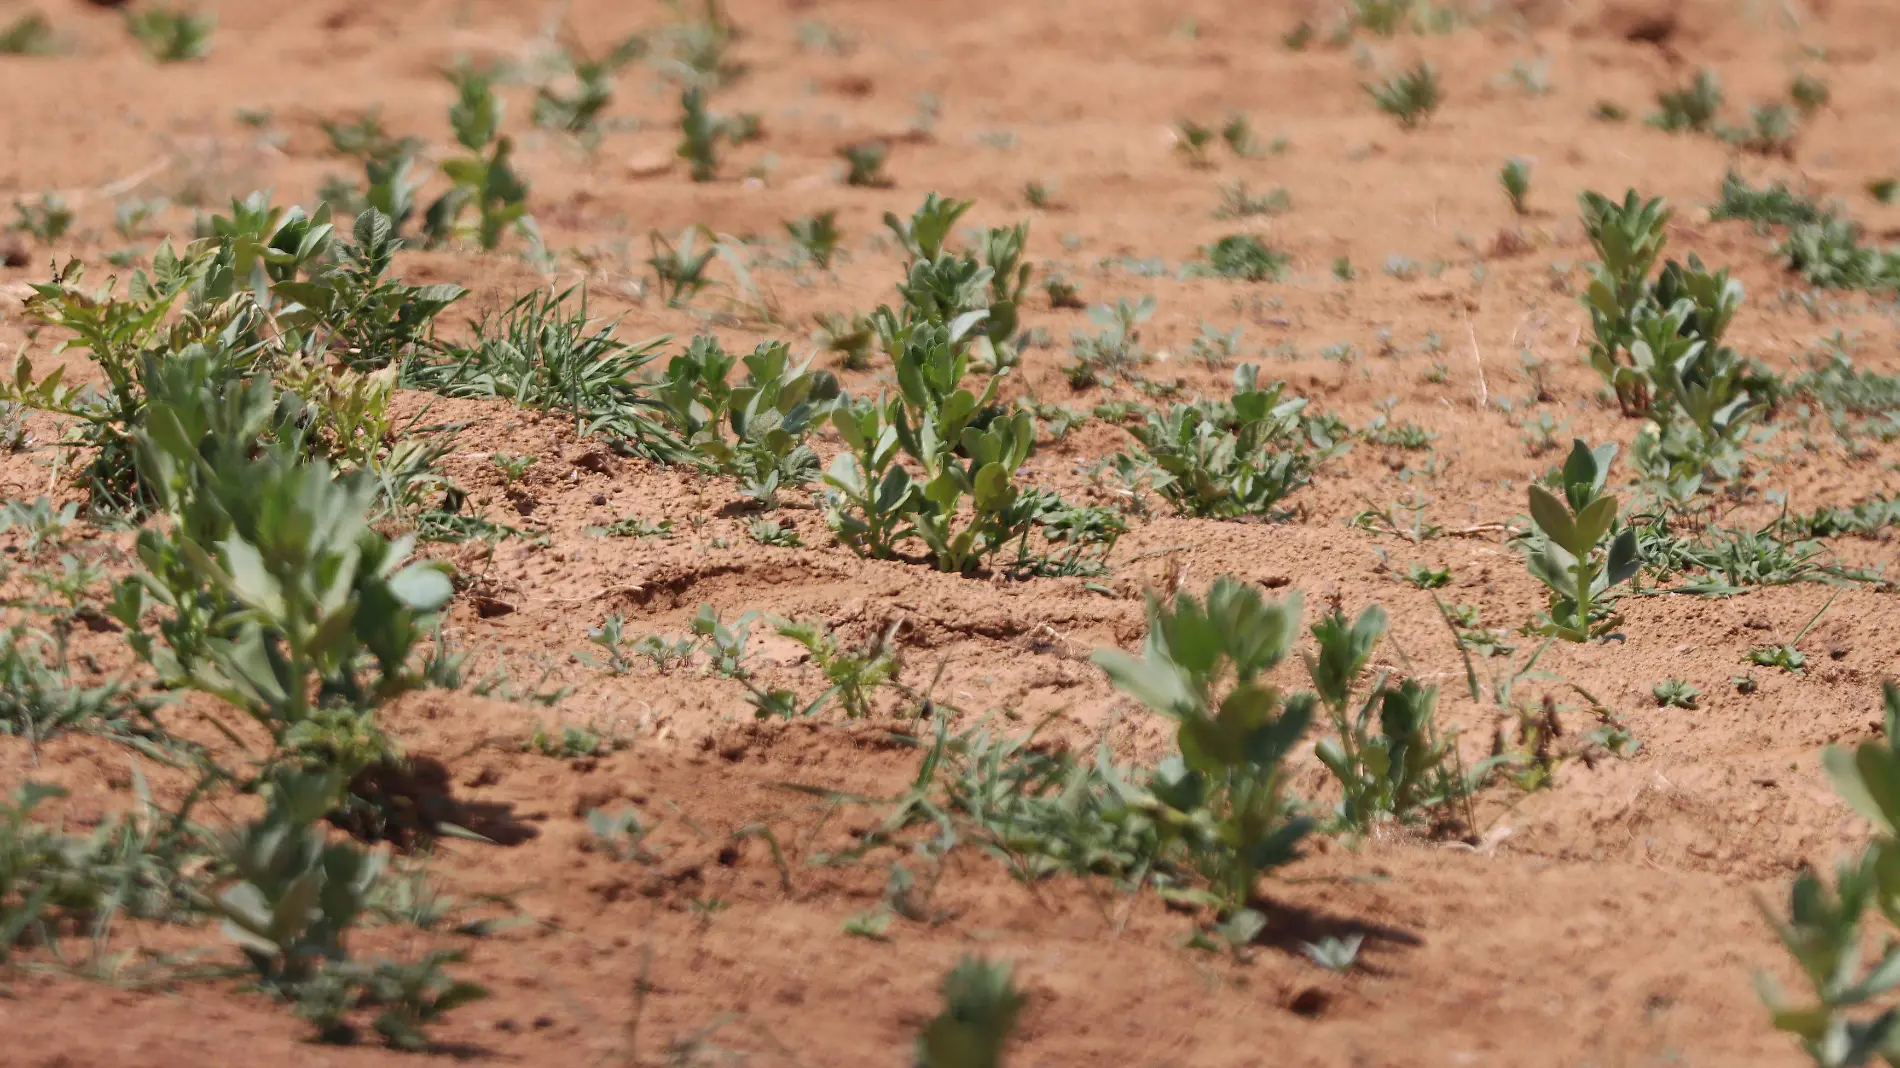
(1606,921)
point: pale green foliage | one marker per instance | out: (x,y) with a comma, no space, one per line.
(1396,770)
(1221,460)
(769,414)
(854,674)
(272,591)
(1223,797)
(484,179)
(1848,1017)
(1577,551)
(980,1007)
(170,35)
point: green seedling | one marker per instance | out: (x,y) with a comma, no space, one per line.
(620,835)
(1426,577)
(45,220)
(170,35)
(576,108)
(980,1009)
(1772,205)
(1810,94)
(1516,179)
(1223,796)
(1239,458)
(1410,96)
(679,267)
(818,236)
(1675,693)
(633,526)
(864,164)
(854,674)
(1391,772)
(1193,140)
(1334,953)
(1237,203)
(610,636)
(1576,554)
(1841,1022)
(545,351)
(485,178)
(364,138)
(1246,258)
(771,532)
(700,131)
(1691,109)
(31,35)
(512,468)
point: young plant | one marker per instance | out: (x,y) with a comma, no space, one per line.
(1692,108)
(1841,1022)
(31,35)
(1222,461)
(770,414)
(1675,693)
(545,351)
(818,236)
(46,220)
(854,674)
(980,1007)
(1193,140)
(1396,770)
(864,164)
(1516,179)
(1574,552)
(1246,258)
(700,131)
(1409,96)
(1426,577)
(577,110)
(170,35)
(1222,797)
(485,178)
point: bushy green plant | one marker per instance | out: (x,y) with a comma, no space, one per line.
(1245,257)
(546,351)
(1848,1017)
(271,591)
(1411,96)
(1577,551)
(356,312)
(1223,798)
(1239,458)
(1692,108)
(170,35)
(1829,253)
(770,414)
(980,1008)
(290,901)
(1397,769)
(1659,344)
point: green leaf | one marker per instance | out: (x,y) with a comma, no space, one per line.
(1554,520)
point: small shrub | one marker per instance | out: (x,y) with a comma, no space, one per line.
(1410,96)
(1246,258)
